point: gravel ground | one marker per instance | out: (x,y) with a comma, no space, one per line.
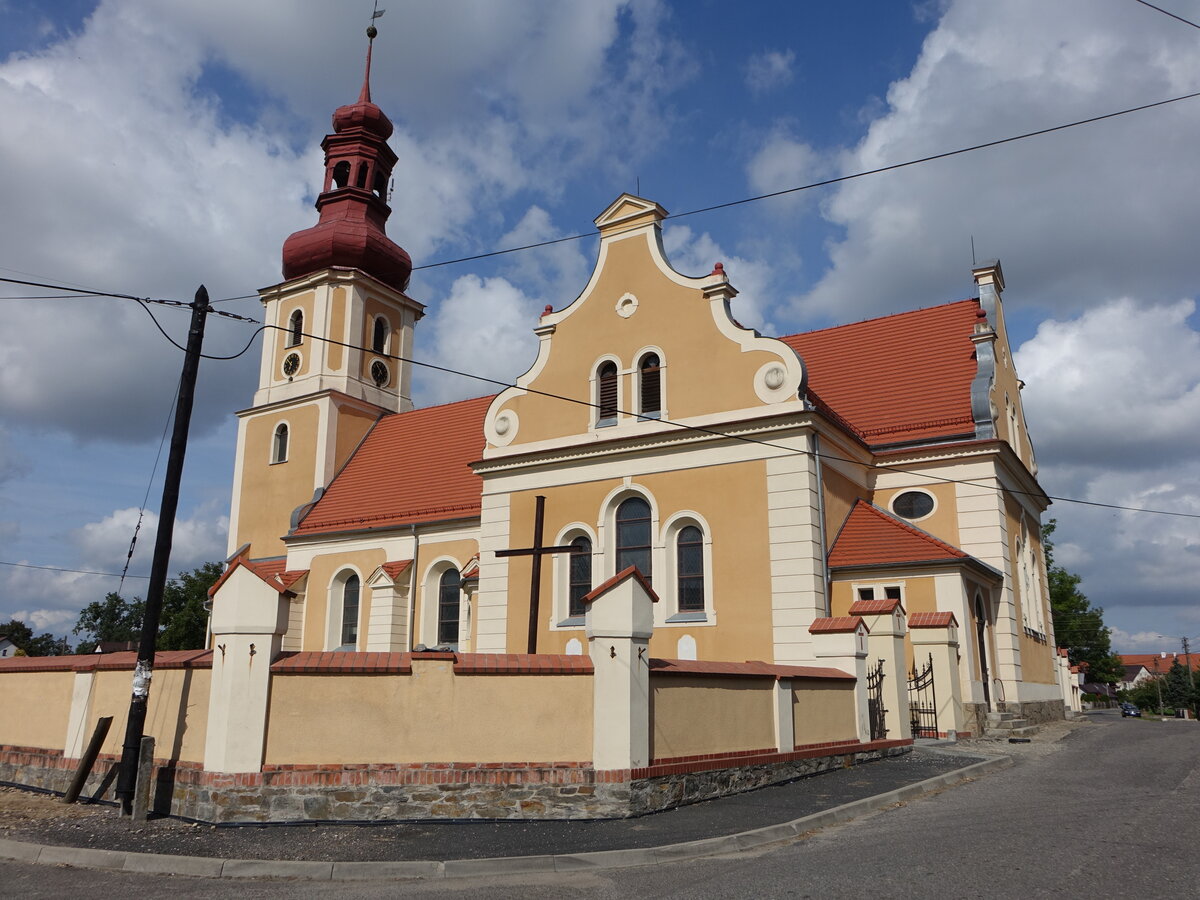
(43,819)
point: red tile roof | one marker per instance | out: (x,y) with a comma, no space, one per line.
(397,568)
(900,378)
(627,572)
(874,607)
(163,659)
(872,537)
(932,620)
(1155,663)
(412,467)
(835,624)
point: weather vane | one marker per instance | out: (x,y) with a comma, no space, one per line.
(375,14)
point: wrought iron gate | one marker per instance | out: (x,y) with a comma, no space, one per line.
(922,701)
(875,711)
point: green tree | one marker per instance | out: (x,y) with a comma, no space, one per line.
(112,619)
(183,623)
(44,644)
(184,616)
(1078,625)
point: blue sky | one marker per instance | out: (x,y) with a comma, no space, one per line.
(151,146)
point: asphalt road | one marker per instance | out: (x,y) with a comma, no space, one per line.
(1111,810)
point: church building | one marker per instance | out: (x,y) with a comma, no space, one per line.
(871,475)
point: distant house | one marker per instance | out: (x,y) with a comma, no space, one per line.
(1141,667)
(7,647)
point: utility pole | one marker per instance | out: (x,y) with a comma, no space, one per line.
(144,670)
(1187,661)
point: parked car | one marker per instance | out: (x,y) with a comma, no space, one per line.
(1128,709)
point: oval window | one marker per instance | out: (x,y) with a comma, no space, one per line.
(912,505)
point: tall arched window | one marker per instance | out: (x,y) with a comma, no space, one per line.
(295,328)
(606,390)
(350,591)
(580,580)
(448,607)
(279,447)
(650,388)
(380,335)
(633,535)
(689,569)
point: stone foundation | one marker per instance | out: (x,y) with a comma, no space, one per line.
(445,790)
(1036,711)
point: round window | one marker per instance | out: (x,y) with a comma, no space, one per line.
(912,505)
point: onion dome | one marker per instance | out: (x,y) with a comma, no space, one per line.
(353,204)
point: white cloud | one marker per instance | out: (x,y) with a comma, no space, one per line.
(696,254)
(103,545)
(1079,216)
(769,69)
(485,327)
(781,162)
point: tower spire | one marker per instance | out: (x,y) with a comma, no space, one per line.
(364,95)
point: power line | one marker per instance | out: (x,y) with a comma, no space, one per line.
(1167,13)
(716,433)
(841,178)
(61,569)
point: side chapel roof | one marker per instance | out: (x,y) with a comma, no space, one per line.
(872,537)
(411,467)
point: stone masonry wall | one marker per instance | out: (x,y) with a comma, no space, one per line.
(443,791)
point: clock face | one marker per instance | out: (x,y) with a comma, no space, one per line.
(379,373)
(291,364)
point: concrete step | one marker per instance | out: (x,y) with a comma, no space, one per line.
(1003,734)
(993,717)
(1007,724)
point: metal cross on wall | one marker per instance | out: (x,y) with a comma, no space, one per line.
(537,551)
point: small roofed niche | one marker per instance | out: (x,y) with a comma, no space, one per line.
(295,328)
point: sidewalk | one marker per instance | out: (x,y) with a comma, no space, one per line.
(93,836)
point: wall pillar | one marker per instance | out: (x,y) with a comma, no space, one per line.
(619,620)
(885,640)
(785,726)
(249,618)
(841,643)
(941,643)
(79,730)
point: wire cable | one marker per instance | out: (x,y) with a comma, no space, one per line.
(838,180)
(1167,13)
(61,569)
(737,437)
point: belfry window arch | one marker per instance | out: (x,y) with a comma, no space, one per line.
(341,175)
(295,328)
(379,335)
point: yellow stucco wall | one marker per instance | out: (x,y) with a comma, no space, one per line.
(692,715)
(337,328)
(176,714)
(321,573)
(732,501)
(840,496)
(429,716)
(34,708)
(823,711)
(352,425)
(270,491)
(704,372)
(943,522)
(304,303)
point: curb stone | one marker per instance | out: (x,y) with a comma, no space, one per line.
(208,867)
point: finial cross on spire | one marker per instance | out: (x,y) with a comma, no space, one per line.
(365,95)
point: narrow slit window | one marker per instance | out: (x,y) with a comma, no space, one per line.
(650,371)
(448,607)
(580,582)
(689,549)
(350,591)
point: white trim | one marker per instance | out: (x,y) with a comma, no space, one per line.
(271,453)
(627,305)
(670,589)
(561,577)
(430,596)
(335,606)
(912,490)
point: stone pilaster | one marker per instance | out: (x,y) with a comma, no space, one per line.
(940,642)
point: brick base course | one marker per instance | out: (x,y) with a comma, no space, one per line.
(559,790)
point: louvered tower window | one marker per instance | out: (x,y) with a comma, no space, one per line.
(650,371)
(606,378)
(295,328)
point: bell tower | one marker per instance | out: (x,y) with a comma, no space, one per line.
(340,332)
